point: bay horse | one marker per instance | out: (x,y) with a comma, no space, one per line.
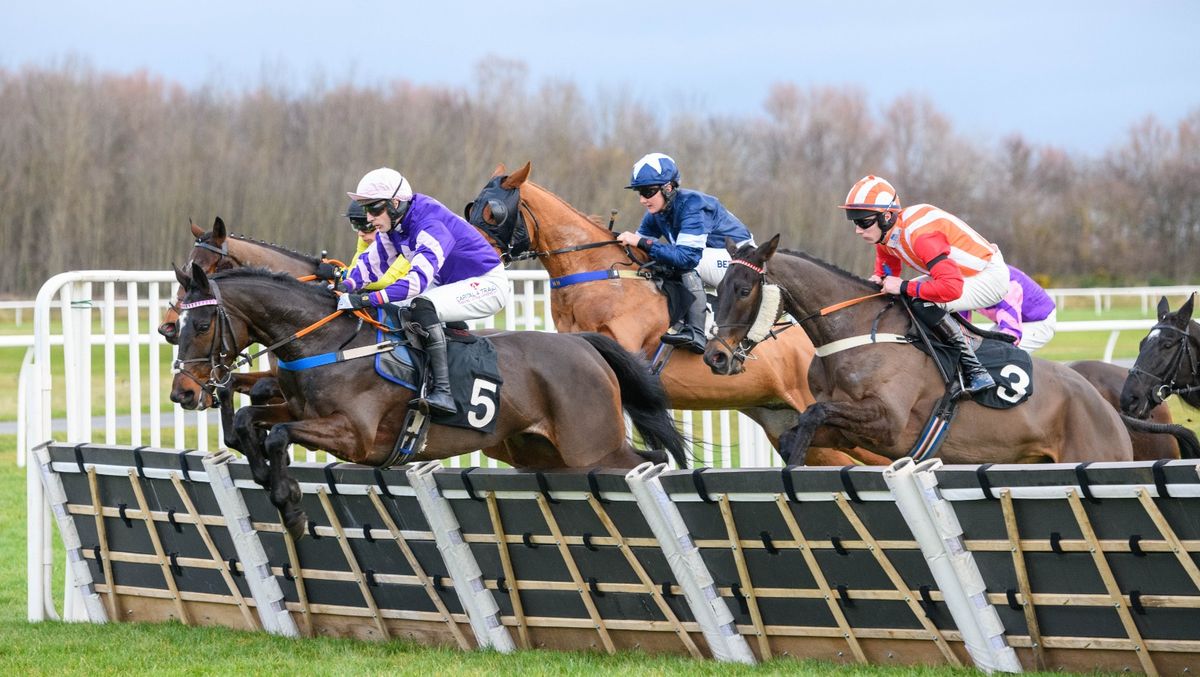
(878,396)
(1168,362)
(536,223)
(560,404)
(1109,379)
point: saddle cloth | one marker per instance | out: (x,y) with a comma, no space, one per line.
(1010,367)
(474,371)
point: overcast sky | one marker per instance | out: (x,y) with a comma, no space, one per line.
(1072,74)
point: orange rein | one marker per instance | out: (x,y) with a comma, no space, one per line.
(845,304)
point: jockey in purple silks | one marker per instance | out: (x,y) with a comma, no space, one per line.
(1026,312)
(442,268)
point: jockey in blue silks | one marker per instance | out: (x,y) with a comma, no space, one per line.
(693,227)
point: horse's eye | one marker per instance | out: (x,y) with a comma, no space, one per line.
(202,327)
(744,292)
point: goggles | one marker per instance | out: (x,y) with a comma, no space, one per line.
(648,192)
(361,225)
(376,208)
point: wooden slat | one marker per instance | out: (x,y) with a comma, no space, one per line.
(251,622)
(301,591)
(801,543)
(415,565)
(1182,553)
(164,563)
(764,644)
(897,580)
(1018,557)
(352,561)
(584,594)
(619,541)
(514,595)
(1110,582)
(102,536)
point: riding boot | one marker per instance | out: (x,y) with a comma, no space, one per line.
(977,378)
(691,335)
(439,400)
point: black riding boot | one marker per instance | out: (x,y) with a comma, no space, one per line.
(691,335)
(977,378)
(438,399)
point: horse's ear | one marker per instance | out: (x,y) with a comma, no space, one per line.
(768,250)
(197,231)
(515,179)
(1184,314)
(199,279)
(500,170)
(218,231)
(1163,308)
(184,280)
(731,246)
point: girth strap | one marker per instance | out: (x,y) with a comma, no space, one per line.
(332,358)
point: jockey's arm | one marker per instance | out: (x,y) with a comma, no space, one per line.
(434,243)
(945,281)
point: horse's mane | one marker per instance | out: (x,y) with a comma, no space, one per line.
(830,267)
(317,291)
(569,206)
(292,253)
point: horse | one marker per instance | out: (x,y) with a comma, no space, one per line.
(1108,379)
(219,250)
(877,395)
(559,406)
(536,223)
(1168,362)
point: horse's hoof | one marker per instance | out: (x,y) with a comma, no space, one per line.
(656,456)
(296,524)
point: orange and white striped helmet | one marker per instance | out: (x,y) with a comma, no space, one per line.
(871,194)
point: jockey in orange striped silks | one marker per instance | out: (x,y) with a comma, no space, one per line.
(959,269)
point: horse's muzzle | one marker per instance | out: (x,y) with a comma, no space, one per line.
(169,331)
(721,361)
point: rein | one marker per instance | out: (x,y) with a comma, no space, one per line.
(587,276)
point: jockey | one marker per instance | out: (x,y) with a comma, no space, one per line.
(1026,312)
(442,267)
(694,227)
(960,270)
(366,235)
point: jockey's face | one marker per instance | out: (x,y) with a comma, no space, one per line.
(379,218)
(653,204)
(368,236)
(872,234)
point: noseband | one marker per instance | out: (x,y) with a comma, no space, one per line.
(1165,387)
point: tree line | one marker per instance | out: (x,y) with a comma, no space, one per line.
(105,171)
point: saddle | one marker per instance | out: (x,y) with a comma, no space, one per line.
(474,368)
(1010,367)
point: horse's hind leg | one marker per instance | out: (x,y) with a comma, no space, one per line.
(247,425)
(284,491)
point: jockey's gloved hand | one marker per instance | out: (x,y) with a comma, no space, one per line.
(326,271)
(354,301)
(339,286)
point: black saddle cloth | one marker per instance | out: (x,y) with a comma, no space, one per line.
(474,370)
(1010,367)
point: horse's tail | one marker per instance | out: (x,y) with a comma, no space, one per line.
(642,396)
(1189,445)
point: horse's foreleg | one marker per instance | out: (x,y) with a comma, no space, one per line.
(266,391)
(836,424)
(248,425)
(332,433)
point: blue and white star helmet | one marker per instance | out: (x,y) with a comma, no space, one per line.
(654,169)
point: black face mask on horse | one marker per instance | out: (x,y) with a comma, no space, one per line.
(497,212)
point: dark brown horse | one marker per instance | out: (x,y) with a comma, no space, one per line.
(1109,379)
(772,390)
(879,395)
(1168,362)
(560,404)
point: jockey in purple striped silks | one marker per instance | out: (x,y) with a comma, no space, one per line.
(1026,312)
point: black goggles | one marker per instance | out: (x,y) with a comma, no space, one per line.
(376,208)
(360,224)
(867,222)
(648,191)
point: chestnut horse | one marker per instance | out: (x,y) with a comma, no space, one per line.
(772,390)
(560,405)
(879,395)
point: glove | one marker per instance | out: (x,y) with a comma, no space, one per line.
(339,286)
(326,271)
(353,301)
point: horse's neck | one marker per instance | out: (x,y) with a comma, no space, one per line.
(559,226)
(255,254)
(810,287)
(273,312)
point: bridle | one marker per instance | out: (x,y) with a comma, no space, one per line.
(222,347)
(511,230)
(1183,350)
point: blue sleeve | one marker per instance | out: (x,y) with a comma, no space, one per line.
(694,226)
(648,228)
